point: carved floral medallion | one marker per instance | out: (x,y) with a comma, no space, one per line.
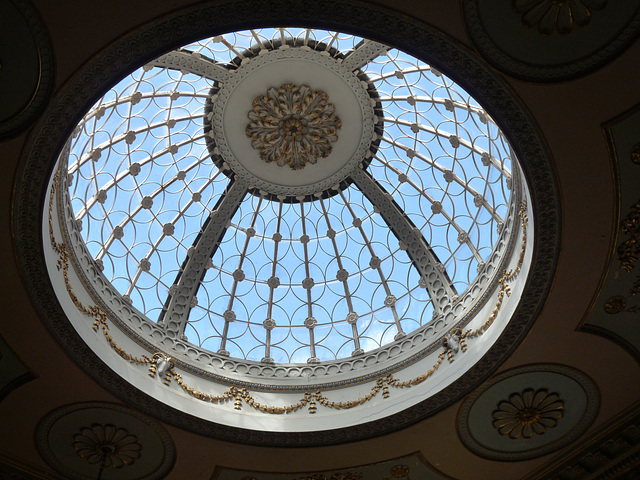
(528,413)
(108,445)
(293,125)
(560,15)
(400,471)
(635,154)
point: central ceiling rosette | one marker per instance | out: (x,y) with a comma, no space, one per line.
(293,125)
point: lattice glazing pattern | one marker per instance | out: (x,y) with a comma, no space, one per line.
(290,281)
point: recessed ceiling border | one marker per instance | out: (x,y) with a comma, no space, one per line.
(178,28)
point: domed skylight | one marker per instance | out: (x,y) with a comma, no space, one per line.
(289,195)
(274,223)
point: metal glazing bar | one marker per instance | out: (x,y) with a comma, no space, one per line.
(143,96)
(343,276)
(90,155)
(273,283)
(483,153)
(375,263)
(377,78)
(156,244)
(412,153)
(439,101)
(312,345)
(267,348)
(333,39)
(238,276)
(112,183)
(230,46)
(437,283)
(399,73)
(153,248)
(307,284)
(450,220)
(256,37)
(192,271)
(465,237)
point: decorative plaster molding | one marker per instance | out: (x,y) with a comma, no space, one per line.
(570,418)
(615,307)
(591,47)
(528,413)
(413,466)
(563,15)
(303,136)
(138,443)
(17,469)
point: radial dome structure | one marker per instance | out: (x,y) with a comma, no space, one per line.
(289,219)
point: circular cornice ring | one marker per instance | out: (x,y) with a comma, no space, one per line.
(56,432)
(376,23)
(575,392)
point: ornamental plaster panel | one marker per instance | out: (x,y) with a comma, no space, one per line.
(528,412)
(615,311)
(612,449)
(518,42)
(65,438)
(402,468)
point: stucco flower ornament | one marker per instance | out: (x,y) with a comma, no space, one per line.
(293,125)
(107,444)
(561,15)
(528,413)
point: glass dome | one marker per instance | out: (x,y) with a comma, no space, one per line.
(354,243)
(266,222)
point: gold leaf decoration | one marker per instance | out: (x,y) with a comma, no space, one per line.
(108,445)
(627,253)
(528,413)
(560,15)
(635,154)
(399,471)
(629,250)
(293,125)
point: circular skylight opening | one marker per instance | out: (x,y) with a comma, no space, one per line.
(288,219)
